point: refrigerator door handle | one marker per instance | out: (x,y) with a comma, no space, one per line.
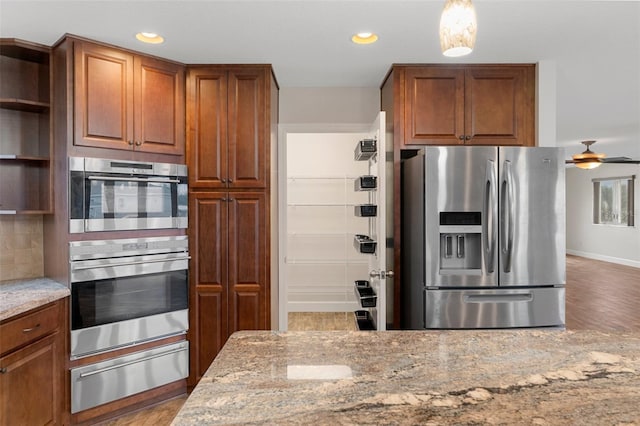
(488,217)
(507,216)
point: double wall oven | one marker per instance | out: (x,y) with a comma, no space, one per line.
(127,293)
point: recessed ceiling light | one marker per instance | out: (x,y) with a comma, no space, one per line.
(152,38)
(364,38)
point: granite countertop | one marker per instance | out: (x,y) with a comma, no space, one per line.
(20,296)
(540,377)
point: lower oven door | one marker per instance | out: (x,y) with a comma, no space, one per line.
(107,381)
(125,302)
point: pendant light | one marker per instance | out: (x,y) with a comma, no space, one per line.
(458,28)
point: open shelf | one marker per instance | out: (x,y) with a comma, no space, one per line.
(25,134)
(23,105)
(24,50)
(16,157)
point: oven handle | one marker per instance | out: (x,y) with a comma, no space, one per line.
(137,262)
(134,179)
(124,364)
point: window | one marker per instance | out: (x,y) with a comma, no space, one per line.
(613,201)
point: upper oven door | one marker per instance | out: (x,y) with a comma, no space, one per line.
(108,195)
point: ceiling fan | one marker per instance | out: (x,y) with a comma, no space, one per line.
(590,160)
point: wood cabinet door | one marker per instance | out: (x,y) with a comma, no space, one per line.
(499,105)
(248,269)
(208,236)
(159,106)
(103,98)
(30,385)
(434,106)
(247,120)
(207,127)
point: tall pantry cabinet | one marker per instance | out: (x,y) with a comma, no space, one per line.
(231,128)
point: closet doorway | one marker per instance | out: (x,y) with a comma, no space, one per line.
(317,261)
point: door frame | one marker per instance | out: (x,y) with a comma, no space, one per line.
(283,131)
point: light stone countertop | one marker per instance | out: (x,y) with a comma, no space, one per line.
(541,377)
(17,297)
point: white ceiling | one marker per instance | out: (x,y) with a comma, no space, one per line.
(595,45)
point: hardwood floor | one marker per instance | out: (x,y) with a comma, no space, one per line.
(600,296)
(329,321)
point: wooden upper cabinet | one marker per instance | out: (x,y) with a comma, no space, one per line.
(227,129)
(159,106)
(434,106)
(126,101)
(103,82)
(472,104)
(500,105)
(246,128)
(207,127)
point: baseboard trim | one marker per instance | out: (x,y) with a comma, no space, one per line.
(610,259)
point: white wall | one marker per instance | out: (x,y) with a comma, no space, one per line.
(618,244)
(321,262)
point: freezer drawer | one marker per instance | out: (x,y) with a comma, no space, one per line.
(107,381)
(530,307)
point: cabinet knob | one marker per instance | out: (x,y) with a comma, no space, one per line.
(230,198)
(223,180)
(230,180)
(224,198)
(130,142)
(138,143)
(3,370)
(468,137)
(461,137)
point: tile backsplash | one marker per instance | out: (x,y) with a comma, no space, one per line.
(21,254)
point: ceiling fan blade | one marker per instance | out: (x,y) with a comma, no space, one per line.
(620,160)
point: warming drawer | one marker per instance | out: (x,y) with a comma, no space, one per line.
(107,381)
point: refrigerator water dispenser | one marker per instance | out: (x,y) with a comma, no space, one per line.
(460,243)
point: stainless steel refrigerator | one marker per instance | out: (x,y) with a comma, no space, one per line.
(483,238)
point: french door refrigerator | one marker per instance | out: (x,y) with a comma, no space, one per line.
(483,238)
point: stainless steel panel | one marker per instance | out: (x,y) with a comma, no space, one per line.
(107,381)
(531,307)
(100,165)
(413,243)
(99,269)
(126,224)
(458,179)
(532,217)
(99,338)
(95,249)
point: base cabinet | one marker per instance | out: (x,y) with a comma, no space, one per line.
(32,368)
(230,292)
(28,385)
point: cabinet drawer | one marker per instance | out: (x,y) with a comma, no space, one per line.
(17,332)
